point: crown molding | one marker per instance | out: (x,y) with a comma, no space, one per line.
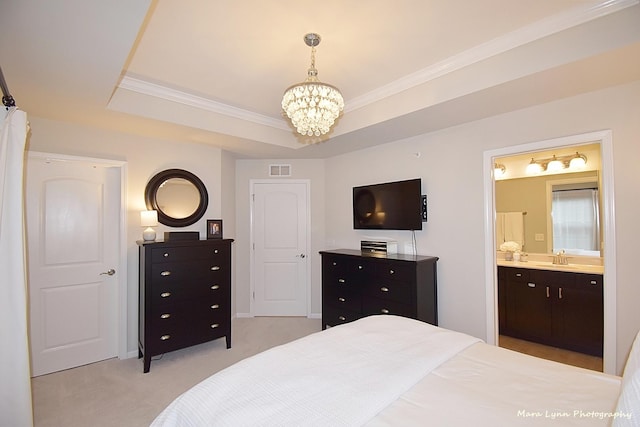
(172,95)
(540,29)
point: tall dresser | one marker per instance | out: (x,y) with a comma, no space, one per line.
(357,284)
(184,295)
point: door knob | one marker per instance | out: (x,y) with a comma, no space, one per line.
(109,272)
(301,255)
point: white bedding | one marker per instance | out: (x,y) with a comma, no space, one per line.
(486,385)
(342,376)
(390,371)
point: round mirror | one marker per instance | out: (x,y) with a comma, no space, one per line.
(179,196)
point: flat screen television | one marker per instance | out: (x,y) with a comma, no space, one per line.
(388,206)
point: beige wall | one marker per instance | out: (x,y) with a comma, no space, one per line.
(451,168)
(247,170)
(144,157)
(450,165)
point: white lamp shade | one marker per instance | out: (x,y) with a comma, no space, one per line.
(578,162)
(149,218)
(555,165)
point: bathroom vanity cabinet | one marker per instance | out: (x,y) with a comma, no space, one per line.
(557,308)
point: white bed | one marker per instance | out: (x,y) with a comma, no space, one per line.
(394,371)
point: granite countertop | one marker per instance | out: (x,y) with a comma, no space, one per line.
(548,265)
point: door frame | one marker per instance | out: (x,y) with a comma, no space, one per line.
(605,139)
(121,268)
(252,274)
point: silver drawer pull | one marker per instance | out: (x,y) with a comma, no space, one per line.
(360,267)
(341,280)
(215,325)
(594,282)
(531,285)
(384,311)
(391,272)
(165,337)
(215,251)
(165,273)
(214,306)
(342,318)
(215,268)
(214,287)
(165,254)
(165,316)
(334,263)
(341,299)
(165,294)
(518,274)
(384,289)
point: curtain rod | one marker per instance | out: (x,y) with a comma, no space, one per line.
(7,99)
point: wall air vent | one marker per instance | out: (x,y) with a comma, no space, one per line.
(279,170)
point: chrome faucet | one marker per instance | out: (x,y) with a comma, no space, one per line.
(560,258)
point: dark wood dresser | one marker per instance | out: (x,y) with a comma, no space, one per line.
(184,295)
(357,284)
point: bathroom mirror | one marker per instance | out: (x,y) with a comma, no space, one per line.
(179,196)
(535,196)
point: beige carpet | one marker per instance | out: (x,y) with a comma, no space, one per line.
(116,392)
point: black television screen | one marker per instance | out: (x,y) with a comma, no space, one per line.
(388,206)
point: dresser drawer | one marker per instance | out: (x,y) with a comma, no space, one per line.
(166,272)
(335,316)
(188,253)
(345,270)
(389,290)
(187,313)
(401,271)
(173,292)
(372,306)
(342,297)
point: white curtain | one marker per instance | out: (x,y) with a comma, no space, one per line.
(576,222)
(15,373)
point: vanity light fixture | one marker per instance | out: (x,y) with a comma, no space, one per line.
(499,170)
(149,219)
(557,163)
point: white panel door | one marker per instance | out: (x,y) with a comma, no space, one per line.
(73,211)
(280,238)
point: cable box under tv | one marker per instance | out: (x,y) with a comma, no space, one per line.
(379,246)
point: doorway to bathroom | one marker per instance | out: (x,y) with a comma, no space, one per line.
(603,139)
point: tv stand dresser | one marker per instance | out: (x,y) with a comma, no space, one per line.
(184,295)
(356,284)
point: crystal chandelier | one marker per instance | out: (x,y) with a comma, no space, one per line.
(311,105)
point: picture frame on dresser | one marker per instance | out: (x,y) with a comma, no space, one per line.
(214,229)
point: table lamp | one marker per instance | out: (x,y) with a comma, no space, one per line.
(149,219)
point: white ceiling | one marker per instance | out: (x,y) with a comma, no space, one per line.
(214,71)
